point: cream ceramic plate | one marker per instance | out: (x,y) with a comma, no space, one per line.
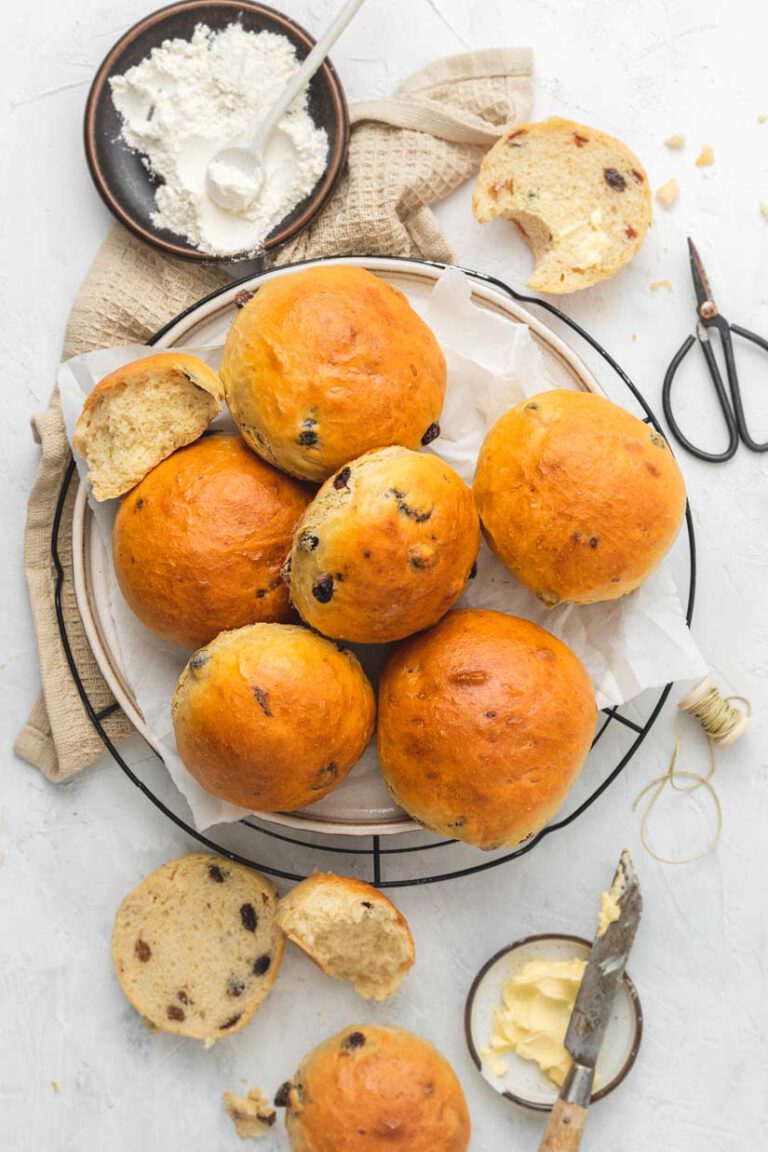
(524,1083)
(361,804)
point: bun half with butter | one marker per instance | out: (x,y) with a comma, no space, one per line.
(385,548)
(375,1089)
(198,545)
(580,198)
(272,717)
(484,723)
(580,499)
(327,363)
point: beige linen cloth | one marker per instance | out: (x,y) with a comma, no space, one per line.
(406,153)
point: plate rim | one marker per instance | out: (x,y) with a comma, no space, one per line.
(335,167)
(167,337)
(537,938)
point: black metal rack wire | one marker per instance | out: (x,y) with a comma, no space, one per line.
(295,856)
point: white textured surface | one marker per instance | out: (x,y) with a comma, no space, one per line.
(67,855)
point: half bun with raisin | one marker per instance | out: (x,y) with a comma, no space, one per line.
(580,198)
(196,946)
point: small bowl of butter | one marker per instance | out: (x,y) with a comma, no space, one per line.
(517,1013)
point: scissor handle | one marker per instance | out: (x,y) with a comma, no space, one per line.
(714,371)
(733,380)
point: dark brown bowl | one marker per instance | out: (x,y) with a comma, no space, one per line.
(120,177)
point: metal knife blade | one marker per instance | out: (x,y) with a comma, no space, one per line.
(605,968)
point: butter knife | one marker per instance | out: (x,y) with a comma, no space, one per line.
(592,1010)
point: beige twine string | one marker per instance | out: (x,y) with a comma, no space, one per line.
(722,724)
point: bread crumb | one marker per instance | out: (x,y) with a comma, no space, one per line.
(705,157)
(253,1114)
(634,336)
(55,1086)
(676,142)
(764,208)
(668,193)
(762,118)
(657,284)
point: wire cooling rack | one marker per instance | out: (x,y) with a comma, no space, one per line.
(416,857)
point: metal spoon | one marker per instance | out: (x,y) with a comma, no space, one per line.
(234,177)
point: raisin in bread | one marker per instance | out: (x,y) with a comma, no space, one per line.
(140,414)
(580,198)
(350,930)
(196,946)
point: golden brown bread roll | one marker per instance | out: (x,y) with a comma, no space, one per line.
(484,723)
(199,543)
(385,548)
(580,499)
(272,717)
(375,1089)
(325,364)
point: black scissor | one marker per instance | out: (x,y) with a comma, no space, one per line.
(709,317)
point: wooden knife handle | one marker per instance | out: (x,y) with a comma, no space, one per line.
(565,1128)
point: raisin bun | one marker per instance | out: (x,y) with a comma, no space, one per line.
(385,548)
(324,364)
(579,499)
(196,946)
(484,723)
(580,198)
(139,414)
(351,931)
(375,1089)
(272,717)
(199,543)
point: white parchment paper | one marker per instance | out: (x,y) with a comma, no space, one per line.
(641,641)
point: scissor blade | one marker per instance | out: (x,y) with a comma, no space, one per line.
(700,280)
(605,969)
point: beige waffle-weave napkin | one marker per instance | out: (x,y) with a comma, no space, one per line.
(406,153)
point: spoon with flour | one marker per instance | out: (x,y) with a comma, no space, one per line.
(235,176)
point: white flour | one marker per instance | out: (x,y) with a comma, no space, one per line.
(189,99)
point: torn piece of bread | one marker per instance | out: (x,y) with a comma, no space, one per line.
(253,1114)
(580,198)
(141,413)
(351,931)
